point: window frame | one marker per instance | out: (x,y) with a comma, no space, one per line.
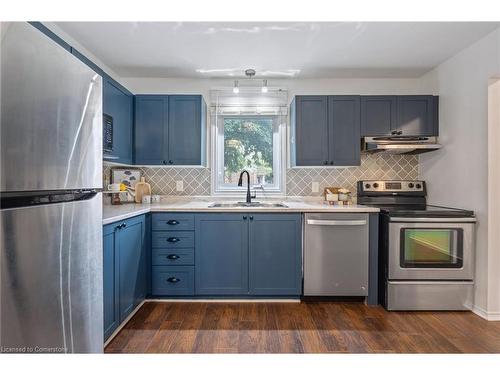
(279,157)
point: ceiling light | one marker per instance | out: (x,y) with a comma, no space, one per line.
(236,89)
(264,86)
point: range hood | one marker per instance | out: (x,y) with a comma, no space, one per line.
(400,144)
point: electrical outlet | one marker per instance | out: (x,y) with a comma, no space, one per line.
(179,185)
(315,187)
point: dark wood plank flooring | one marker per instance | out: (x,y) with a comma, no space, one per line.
(307,327)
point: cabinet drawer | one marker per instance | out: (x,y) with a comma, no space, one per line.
(173,280)
(173,221)
(173,239)
(173,257)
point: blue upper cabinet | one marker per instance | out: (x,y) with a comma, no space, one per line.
(151,129)
(170,130)
(379,115)
(344,130)
(309,130)
(221,254)
(418,115)
(407,115)
(119,105)
(186,131)
(325,130)
(275,254)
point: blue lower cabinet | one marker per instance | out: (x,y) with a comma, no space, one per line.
(221,254)
(173,239)
(172,257)
(110,281)
(173,280)
(124,270)
(275,254)
(132,269)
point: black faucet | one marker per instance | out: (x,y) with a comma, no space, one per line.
(240,183)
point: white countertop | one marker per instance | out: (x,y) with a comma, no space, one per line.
(195,204)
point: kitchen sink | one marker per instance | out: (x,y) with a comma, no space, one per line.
(244,204)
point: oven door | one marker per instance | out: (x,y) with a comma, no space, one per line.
(431,249)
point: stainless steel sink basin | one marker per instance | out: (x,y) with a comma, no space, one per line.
(244,204)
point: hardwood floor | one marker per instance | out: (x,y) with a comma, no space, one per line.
(307,327)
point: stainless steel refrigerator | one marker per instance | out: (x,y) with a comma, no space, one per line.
(51,213)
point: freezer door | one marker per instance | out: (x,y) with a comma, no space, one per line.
(51,115)
(51,278)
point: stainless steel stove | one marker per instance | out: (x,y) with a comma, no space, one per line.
(426,252)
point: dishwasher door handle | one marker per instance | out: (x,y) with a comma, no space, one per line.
(336,222)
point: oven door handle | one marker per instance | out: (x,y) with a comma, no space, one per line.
(336,222)
(433,219)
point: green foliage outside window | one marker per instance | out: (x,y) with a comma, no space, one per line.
(248,144)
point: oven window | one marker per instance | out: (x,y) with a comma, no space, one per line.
(431,248)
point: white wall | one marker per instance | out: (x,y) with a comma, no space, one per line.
(342,86)
(457,175)
(74,43)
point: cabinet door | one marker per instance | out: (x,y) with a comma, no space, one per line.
(378,115)
(131,265)
(110,281)
(119,105)
(417,115)
(185,130)
(275,254)
(311,130)
(221,254)
(151,129)
(344,130)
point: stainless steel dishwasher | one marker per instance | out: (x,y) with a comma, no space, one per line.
(336,254)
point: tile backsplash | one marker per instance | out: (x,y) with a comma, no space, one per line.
(197,181)
(373,166)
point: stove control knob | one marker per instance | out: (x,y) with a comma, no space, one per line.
(418,186)
(375,185)
(367,186)
(410,185)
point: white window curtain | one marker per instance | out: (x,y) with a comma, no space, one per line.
(249,102)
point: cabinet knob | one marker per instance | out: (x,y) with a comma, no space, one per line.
(164,162)
(173,256)
(172,222)
(170,162)
(173,239)
(331,163)
(325,162)
(173,280)
(244,217)
(251,217)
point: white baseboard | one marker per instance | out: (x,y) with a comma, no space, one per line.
(488,315)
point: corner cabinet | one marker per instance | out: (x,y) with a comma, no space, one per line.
(170,130)
(117,103)
(407,115)
(124,270)
(248,254)
(325,130)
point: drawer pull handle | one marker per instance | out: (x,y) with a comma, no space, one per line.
(173,256)
(173,280)
(173,222)
(173,239)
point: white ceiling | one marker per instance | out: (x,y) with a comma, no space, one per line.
(302,50)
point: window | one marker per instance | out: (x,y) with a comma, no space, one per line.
(253,143)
